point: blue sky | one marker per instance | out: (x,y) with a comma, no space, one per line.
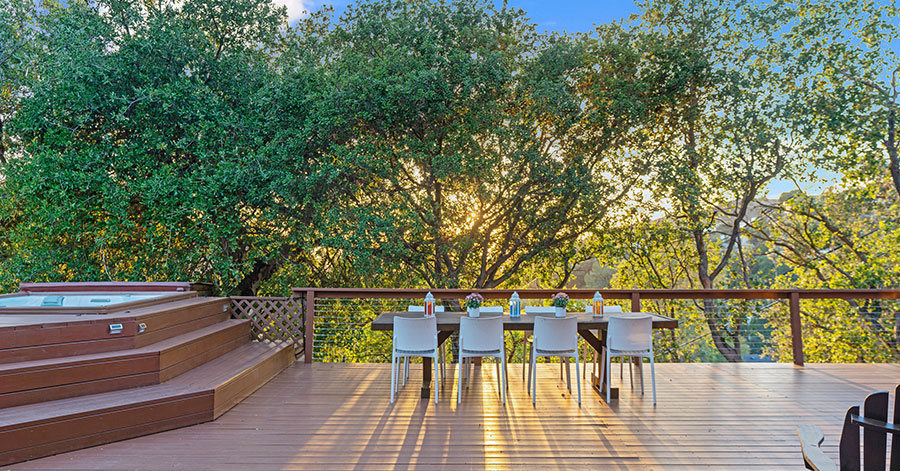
(574,15)
(554,15)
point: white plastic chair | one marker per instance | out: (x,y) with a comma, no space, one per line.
(442,359)
(526,351)
(415,337)
(632,337)
(482,337)
(591,353)
(483,310)
(555,337)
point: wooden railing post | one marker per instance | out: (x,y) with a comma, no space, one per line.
(635,301)
(310,302)
(796,331)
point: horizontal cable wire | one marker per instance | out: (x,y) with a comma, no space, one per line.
(759,329)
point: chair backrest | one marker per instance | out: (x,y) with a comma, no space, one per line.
(492,309)
(606,309)
(415,333)
(876,426)
(413,308)
(630,333)
(875,434)
(481,333)
(539,310)
(556,333)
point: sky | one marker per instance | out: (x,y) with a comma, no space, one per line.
(562,15)
(554,15)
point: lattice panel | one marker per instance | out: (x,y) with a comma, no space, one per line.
(273,319)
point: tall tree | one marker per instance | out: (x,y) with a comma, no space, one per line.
(719,139)
(163,143)
(18,58)
(842,59)
(487,145)
(846,237)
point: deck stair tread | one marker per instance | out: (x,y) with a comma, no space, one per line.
(216,372)
(40,337)
(58,378)
(154,348)
(67,383)
(201,380)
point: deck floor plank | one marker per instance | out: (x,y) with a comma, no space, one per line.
(337,416)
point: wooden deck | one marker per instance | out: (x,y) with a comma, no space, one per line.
(337,416)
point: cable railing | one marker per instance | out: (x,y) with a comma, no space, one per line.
(714,325)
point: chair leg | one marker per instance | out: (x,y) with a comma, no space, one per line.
(505,377)
(640,368)
(533,378)
(569,375)
(459,381)
(621,368)
(399,368)
(442,359)
(497,368)
(405,373)
(602,365)
(530,368)
(393,374)
(577,378)
(524,354)
(653,379)
(631,371)
(437,378)
(607,377)
(505,372)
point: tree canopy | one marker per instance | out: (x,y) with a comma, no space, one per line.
(450,143)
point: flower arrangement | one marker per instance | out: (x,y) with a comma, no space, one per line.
(560,299)
(474,300)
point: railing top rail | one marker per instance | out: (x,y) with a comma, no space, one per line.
(274,298)
(607,293)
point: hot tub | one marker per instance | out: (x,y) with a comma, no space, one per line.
(83,302)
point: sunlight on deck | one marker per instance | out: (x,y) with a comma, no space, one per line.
(338,416)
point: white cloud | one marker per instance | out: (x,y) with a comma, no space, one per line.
(296,9)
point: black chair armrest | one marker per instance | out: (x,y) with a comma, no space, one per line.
(873,424)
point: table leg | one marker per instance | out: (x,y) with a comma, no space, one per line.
(426,378)
(427,367)
(597,344)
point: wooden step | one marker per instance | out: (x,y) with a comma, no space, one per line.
(200,395)
(59,378)
(36,337)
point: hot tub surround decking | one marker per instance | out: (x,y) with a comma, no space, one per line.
(68,381)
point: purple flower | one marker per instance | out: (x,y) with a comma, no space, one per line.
(560,299)
(474,300)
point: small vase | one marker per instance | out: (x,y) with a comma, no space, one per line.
(560,311)
(474,311)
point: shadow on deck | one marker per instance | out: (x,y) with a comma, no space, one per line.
(337,416)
